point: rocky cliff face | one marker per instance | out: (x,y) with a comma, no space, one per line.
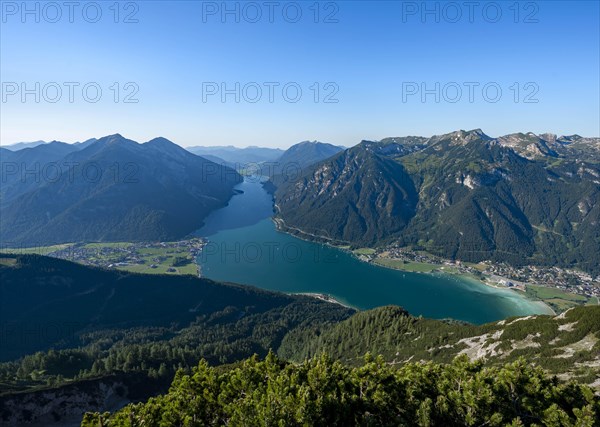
(64,406)
(532,146)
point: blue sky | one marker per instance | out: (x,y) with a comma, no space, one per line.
(371,61)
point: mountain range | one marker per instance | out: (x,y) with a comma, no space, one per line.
(519,199)
(307,153)
(277,162)
(151,191)
(296,160)
(22,145)
(110,189)
(233,155)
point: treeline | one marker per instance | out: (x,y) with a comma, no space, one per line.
(568,345)
(323,392)
(222,337)
(388,331)
(305,329)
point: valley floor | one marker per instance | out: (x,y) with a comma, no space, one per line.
(138,257)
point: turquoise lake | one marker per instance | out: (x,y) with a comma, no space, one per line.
(245,247)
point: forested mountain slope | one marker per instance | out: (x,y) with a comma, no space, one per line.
(567,345)
(115,189)
(462,195)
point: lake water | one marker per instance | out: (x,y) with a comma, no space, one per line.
(245,247)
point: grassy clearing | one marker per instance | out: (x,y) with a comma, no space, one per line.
(555,298)
(364,251)
(454,270)
(161,268)
(545,230)
(141,258)
(560,305)
(418,267)
(8,261)
(36,250)
(544,292)
(108,245)
(480,266)
(593,301)
(149,258)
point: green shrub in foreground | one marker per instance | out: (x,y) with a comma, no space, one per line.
(322,392)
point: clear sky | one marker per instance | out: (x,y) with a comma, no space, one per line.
(374,58)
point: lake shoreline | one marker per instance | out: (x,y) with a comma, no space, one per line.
(438,268)
(271,256)
(325,297)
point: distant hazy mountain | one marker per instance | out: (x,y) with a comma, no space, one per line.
(296,160)
(115,189)
(86,143)
(307,153)
(462,195)
(302,154)
(27,168)
(234,155)
(218,160)
(47,152)
(20,145)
